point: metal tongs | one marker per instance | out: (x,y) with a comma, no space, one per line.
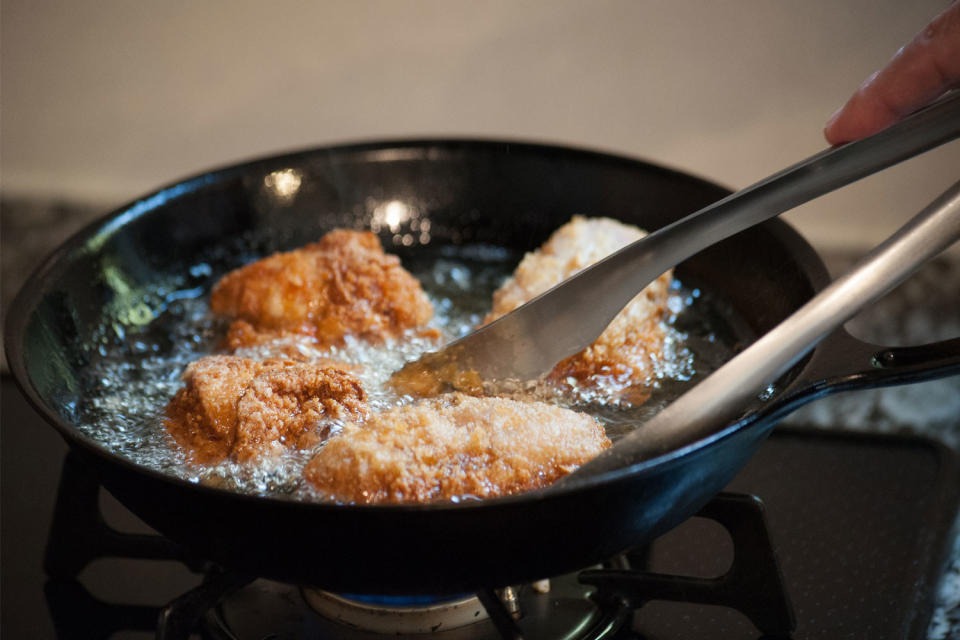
(720,398)
(532,339)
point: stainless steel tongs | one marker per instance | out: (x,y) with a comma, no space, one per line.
(530,340)
(721,397)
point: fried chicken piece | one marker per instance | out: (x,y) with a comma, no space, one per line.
(621,359)
(242,408)
(343,284)
(454,446)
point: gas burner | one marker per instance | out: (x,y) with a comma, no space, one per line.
(293,613)
(396,615)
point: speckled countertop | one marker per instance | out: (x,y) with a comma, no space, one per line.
(923,309)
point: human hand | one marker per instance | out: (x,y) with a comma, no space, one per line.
(919,73)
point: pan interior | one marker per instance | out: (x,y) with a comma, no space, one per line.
(123,309)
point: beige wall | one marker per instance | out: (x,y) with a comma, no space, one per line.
(104,100)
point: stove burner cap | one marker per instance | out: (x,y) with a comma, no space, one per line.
(397,615)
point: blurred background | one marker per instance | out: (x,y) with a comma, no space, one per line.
(104,101)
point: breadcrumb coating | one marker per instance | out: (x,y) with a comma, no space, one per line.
(343,284)
(621,359)
(454,446)
(243,409)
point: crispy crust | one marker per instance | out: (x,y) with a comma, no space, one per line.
(242,409)
(454,446)
(623,356)
(342,285)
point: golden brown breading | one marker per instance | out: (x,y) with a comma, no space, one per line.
(454,446)
(241,408)
(623,355)
(342,285)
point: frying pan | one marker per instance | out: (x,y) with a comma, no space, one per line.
(494,192)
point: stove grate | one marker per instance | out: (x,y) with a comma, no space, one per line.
(79,534)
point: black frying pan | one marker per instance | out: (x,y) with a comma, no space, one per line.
(501,193)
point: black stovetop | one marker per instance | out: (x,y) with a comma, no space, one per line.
(860,524)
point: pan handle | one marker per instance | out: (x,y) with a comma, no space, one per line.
(842,362)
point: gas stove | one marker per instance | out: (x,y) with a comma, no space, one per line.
(824,534)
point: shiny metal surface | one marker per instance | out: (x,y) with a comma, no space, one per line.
(530,340)
(720,398)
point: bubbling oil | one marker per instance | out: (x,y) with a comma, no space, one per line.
(133,375)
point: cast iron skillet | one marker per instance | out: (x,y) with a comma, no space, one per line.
(501,193)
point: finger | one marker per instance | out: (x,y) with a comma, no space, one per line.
(920,72)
